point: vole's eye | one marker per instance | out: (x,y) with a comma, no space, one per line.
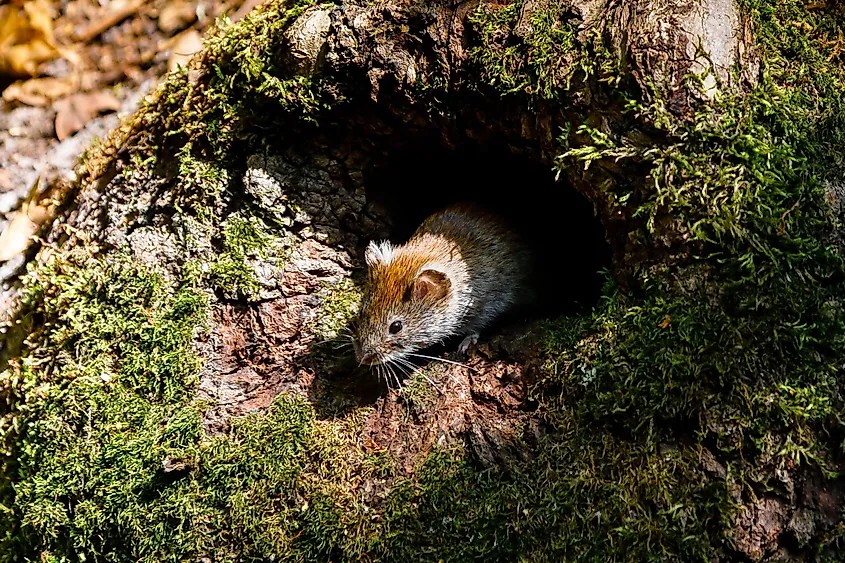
(395,327)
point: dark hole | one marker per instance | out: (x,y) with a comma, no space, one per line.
(558,221)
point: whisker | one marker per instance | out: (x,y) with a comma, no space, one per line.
(399,364)
(406,367)
(433,384)
(418,370)
(341,346)
(442,360)
(406,363)
(449,375)
(395,377)
(385,371)
(387,377)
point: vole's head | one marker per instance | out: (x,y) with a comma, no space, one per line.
(405,304)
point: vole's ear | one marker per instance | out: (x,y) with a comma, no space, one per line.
(431,284)
(378,253)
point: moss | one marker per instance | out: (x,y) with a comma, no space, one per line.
(545,61)
(537,64)
(202,182)
(339,308)
(101,394)
(243,239)
(238,98)
(420,390)
(590,497)
(109,453)
(744,355)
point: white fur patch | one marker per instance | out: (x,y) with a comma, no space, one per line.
(379,253)
(437,267)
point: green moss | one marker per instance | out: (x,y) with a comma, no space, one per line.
(100,395)
(745,353)
(546,61)
(202,183)
(109,458)
(420,390)
(339,308)
(237,99)
(242,239)
(538,64)
(379,464)
(590,497)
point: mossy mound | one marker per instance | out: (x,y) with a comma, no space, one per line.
(695,414)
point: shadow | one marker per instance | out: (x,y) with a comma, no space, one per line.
(554,219)
(421,176)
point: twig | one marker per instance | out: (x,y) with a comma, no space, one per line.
(109,20)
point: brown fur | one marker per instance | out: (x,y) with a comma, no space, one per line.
(395,279)
(459,271)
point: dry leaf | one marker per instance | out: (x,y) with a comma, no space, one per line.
(39,91)
(26,37)
(183,47)
(74,112)
(16,238)
(667,320)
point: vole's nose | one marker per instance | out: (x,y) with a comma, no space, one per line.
(368,358)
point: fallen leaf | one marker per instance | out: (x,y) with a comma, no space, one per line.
(16,237)
(26,37)
(667,320)
(74,112)
(183,47)
(38,91)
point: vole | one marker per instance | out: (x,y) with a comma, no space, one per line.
(461,270)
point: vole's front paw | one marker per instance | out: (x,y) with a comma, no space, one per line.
(470,340)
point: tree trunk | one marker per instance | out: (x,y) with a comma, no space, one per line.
(176,382)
